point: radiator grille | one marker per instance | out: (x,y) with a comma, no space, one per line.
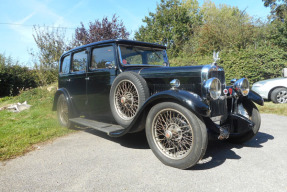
(218,107)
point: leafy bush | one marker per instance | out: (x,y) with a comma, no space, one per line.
(15,78)
(255,64)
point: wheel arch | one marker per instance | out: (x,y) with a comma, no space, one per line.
(255,97)
(271,90)
(68,98)
(190,100)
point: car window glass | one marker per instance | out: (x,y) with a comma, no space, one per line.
(65,66)
(79,61)
(102,55)
(133,59)
(138,55)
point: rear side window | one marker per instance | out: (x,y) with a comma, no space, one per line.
(65,66)
(102,55)
(79,61)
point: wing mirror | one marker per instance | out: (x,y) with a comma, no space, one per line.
(109,65)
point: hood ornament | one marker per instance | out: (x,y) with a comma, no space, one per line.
(215,57)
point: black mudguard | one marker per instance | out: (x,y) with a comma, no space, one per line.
(253,96)
(187,99)
(60,91)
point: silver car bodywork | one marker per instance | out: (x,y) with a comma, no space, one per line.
(265,88)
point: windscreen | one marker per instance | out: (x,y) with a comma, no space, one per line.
(138,55)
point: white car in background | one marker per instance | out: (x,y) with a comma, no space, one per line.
(272,89)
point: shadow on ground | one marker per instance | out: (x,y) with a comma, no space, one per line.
(216,154)
(130,140)
(219,151)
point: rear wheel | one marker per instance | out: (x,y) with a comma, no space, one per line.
(63,112)
(176,136)
(279,95)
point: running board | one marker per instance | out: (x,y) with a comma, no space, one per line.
(100,126)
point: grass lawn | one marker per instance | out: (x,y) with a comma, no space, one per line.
(20,131)
(269,107)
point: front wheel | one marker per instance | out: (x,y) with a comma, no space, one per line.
(176,136)
(250,111)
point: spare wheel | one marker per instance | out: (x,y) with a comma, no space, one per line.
(128,93)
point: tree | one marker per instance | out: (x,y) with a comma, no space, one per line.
(100,30)
(222,27)
(278,23)
(172,24)
(278,8)
(51,43)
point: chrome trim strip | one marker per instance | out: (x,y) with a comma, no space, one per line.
(217,118)
(204,76)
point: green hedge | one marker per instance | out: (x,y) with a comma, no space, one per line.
(15,78)
(255,64)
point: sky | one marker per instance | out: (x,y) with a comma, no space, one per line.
(17,18)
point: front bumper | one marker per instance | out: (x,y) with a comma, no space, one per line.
(235,124)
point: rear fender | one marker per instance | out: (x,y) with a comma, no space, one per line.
(72,110)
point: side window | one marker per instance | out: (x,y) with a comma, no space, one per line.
(102,55)
(79,61)
(65,65)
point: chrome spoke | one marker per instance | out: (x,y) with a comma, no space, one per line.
(126,99)
(63,110)
(172,133)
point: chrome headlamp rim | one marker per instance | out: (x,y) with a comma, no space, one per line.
(213,88)
(175,83)
(242,86)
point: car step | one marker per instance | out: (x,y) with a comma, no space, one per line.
(104,127)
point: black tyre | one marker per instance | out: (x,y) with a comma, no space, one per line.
(250,111)
(176,136)
(128,93)
(279,95)
(63,112)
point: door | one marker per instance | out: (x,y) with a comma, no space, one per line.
(99,81)
(77,80)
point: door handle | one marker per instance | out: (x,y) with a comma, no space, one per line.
(87,78)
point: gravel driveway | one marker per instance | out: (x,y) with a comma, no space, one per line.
(91,161)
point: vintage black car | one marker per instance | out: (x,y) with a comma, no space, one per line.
(123,86)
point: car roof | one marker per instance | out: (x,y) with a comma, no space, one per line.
(118,41)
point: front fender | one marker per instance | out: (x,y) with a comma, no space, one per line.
(255,97)
(189,100)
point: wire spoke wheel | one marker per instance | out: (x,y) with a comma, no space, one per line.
(172,133)
(176,135)
(63,112)
(128,94)
(126,99)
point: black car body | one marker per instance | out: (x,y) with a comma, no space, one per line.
(123,86)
